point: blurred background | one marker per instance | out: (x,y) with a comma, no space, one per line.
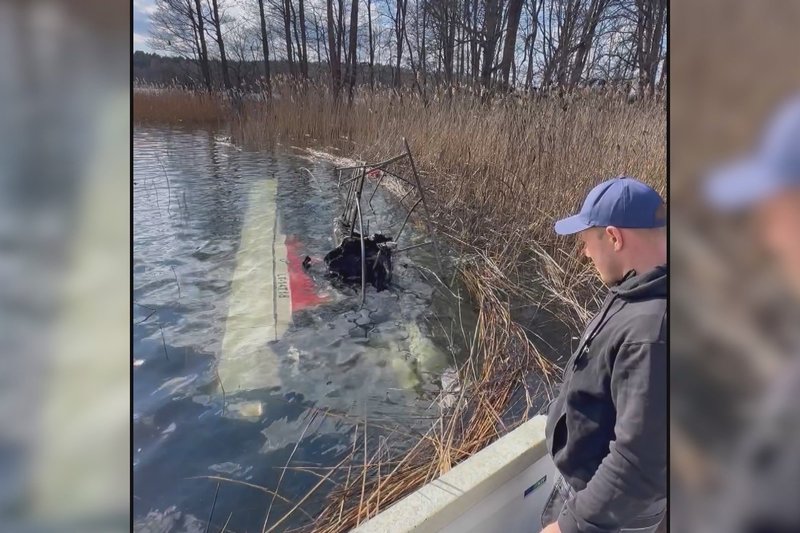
(64,265)
(734,311)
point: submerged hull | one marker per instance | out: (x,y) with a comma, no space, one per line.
(268,285)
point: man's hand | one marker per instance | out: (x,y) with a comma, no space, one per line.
(552,528)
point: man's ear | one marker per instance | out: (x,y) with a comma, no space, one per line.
(614,235)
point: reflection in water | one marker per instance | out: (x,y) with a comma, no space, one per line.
(217,233)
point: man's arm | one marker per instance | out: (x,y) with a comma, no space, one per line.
(633,474)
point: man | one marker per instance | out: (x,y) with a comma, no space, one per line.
(762,493)
(607,430)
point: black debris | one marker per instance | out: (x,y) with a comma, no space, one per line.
(344,261)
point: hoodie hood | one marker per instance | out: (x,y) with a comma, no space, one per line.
(652,284)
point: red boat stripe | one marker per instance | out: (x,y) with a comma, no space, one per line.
(301,286)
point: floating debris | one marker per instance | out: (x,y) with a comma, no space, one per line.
(247,410)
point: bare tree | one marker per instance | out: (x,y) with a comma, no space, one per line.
(340,33)
(216,22)
(177,27)
(490,37)
(530,41)
(662,81)
(333,51)
(201,40)
(400,31)
(319,37)
(497,44)
(303,40)
(444,16)
(371,46)
(475,42)
(298,47)
(265,47)
(287,29)
(591,19)
(352,56)
(651,17)
(242,44)
(510,45)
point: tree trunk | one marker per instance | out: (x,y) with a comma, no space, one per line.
(662,81)
(371,47)
(655,43)
(265,46)
(509,47)
(223,60)
(351,69)
(557,64)
(650,21)
(449,49)
(205,69)
(400,29)
(491,24)
(318,32)
(423,53)
(333,52)
(474,42)
(565,43)
(461,45)
(530,41)
(340,33)
(303,40)
(287,29)
(593,16)
(298,50)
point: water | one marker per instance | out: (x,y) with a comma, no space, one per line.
(224,381)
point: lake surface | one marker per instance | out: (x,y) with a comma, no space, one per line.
(225,379)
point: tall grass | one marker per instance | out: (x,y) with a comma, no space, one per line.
(499,172)
(170,105)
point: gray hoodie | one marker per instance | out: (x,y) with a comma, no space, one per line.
(607,430)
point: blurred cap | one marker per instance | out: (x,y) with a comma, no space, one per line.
(772,169)
(622,202)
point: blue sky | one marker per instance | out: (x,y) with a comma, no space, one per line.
(141,23)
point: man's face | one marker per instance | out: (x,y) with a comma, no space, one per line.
(778,226)
(599,245)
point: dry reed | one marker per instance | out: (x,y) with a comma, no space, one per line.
(177,106)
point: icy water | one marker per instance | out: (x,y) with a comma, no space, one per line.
(224,378)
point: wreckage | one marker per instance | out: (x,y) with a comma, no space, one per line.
(273,282)
(368,259)
(344,261)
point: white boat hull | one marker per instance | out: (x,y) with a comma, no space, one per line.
(504,487)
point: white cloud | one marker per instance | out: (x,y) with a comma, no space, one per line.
(140,42)
(144,6)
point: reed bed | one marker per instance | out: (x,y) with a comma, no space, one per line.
(169,105)
(498,173)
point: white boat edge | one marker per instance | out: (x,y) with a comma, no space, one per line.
(503,487)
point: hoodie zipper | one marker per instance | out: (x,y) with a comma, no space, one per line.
(595,325)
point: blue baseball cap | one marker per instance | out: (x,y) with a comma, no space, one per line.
(622,202)
(772,168)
